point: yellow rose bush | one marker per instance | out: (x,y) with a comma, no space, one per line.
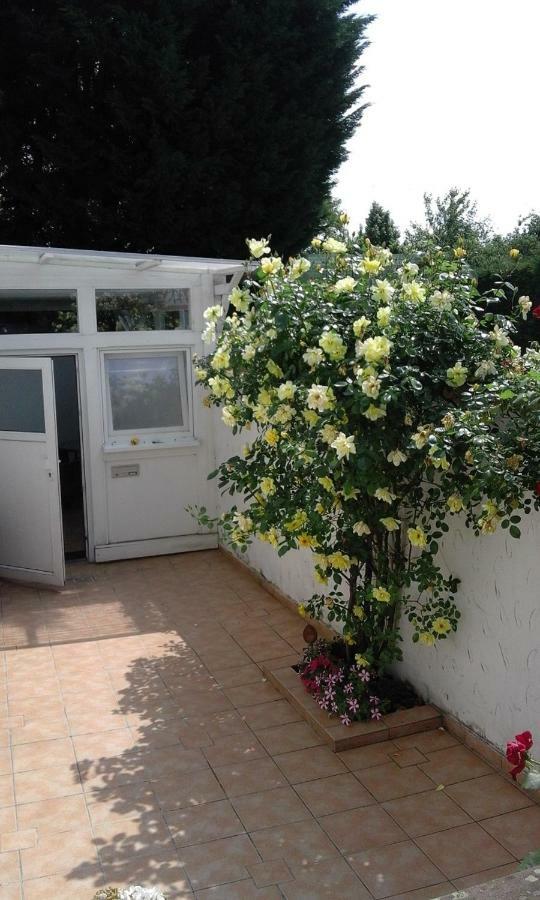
(384,397)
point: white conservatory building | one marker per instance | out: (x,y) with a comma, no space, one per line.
(103,444)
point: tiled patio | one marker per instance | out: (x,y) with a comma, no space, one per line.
(140,743)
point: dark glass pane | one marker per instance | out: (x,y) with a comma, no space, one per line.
(21,401)
(37,312)
(154,309)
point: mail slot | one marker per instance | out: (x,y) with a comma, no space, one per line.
(124,471)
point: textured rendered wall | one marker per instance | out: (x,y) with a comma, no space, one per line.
(488,674)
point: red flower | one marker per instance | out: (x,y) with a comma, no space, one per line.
(537,489)
(536,312)
(516,752)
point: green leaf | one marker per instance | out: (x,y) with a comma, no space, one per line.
(514,531)
(507,394)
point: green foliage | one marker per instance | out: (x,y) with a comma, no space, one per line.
(173,127)
(530,860)
(450,221)
(381,229)
(379,401)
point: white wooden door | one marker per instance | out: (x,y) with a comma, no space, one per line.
(31,540)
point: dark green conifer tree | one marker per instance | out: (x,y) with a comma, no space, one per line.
(380,228)
(174,127)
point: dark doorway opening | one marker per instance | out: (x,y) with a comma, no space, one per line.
(70,456)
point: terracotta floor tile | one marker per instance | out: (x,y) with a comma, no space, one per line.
(334,794)
(485,876)
(122,839)
(18,840)
(240,890)
(454,764)
(397,868)
(61,887)
(250,777)
(328,879)
(40,730)
(7,797)
(102,745)
(161,870)
(59,854)
(268,808)
(218,862)
(273,872)
(289,737)
(235,748)
(9,868)
(131,801)
(11,892)
(207,822)
(464,850)
(488,796)
(308,765)
(8,819)
(362,829)
(37,754)
(388,782)
(366,757)
(266,715)
(46,784)
(248,674)
(427,741)
(435,892)
(426,813)
(294,844)
(5,762)
(410,757)
(518,831)
(192,789)
(51,816)
(252,694)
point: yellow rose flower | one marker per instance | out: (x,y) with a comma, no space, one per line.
(390,523)
(310,416)
(332,345)
(454,503)
(274,369)
(339,561)
(381,594)
(258,248)
(426,638)
(343,445)
(344,285)
(441,626)
(417,537)
(370,266)
(360,325)
(307,541)
(320,397)
(272,265)
(375,349)
(459,252)
(359,612)
(514,253)
(374,412)
(361,660)
(360,528)
(384,494)
(271,437)
(331,245)
(268,487)
(302,610)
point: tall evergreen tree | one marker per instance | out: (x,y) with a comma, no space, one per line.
(175,127)
(380,228)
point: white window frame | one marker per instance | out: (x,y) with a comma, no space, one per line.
(150,437)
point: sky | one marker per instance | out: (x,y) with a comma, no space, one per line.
(455,98)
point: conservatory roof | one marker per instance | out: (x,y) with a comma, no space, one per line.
(118,260)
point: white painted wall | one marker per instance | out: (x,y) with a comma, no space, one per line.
(488,674)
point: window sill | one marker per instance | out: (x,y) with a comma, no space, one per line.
(148,447)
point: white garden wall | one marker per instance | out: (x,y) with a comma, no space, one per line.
(488,674)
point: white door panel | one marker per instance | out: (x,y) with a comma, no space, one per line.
(31,542)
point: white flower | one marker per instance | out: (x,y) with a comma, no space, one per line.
(371,386)
(344,285)
(441,300)
(213,313)
(332,345)
(135,892)
(409,269)
(240,299)
(286,391)
(486,367)
(375,349)
(209,333)
(396,457)
(385,494)
(258,248)
(456,376)
(221,359)
(297,267)
(360,325)
(500,337)
(320,397)
(343,445)
(382,291)
(248,353)
(333,246)
(361,528)
(313,357)
(228,417)
(525,305)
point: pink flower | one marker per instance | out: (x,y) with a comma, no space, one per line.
(516,752)
(345,719)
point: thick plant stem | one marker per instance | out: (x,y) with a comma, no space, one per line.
(353,581)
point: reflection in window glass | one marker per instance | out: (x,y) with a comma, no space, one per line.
(21,401)
(37,312)
(155,309)
(147,392)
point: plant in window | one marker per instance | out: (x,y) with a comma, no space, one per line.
(383,399)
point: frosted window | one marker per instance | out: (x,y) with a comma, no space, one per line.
(21,401)
(154,309)
(37,311)
(147,392)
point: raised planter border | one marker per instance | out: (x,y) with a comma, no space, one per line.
(359,734)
